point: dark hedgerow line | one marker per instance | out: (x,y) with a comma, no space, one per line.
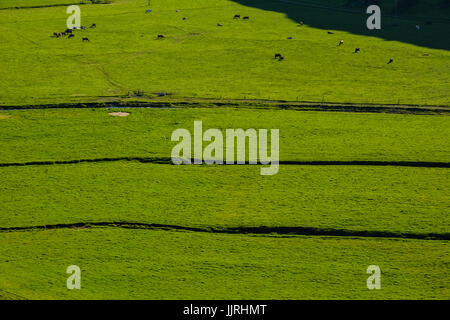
(248,104)
(80,3)
(263,230)
(418,164)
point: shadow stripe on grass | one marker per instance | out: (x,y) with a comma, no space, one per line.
(262,230)
(420,164)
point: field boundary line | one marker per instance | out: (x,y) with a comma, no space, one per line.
(80,3)
(242,104)
(262,230)
(161,160)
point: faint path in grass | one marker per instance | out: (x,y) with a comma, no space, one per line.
(6,295)
(83,61)
(416,164)
(262,230)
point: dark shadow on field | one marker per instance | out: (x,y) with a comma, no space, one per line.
(434,31)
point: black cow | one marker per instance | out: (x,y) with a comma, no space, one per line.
(93,25)
(279,56)
(85,39)
(357,50)
(160,36)
(237,16)
(71,36)
(246,18)
(390,61)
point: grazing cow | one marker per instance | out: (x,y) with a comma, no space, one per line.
(184,18)
(55,34)
(85,39)
(246,18)
(277,55)
(329,32)
(289,38)
(280,58)
(148,10)
(237,16)
(71,36)
(160,36)
(68,31)
(390,61)
(93,25)
(357,50)
(219,25)
(83,28)
(341,43)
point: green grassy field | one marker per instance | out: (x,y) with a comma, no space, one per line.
(69,134)
(135,264)
(351,198)
(159,231)
(198,59)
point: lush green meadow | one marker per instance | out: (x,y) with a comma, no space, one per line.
(199,59)
(350,198)
(138,264)
(69,134)
(159,231)
(169,264)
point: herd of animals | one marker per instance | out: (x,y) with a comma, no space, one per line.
(280,57)
(69,33)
